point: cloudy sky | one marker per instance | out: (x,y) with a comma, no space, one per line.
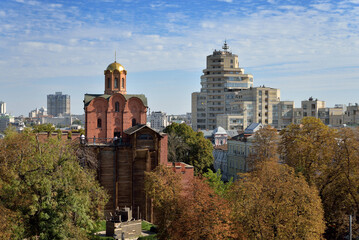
(303,47)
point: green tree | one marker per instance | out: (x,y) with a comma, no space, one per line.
(177,148)
(77,121)
(200,149)
(43,184)
(214,179)
(48,128)
(272,202)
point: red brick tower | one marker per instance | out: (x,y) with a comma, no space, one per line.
(109,114)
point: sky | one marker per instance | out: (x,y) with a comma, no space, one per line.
(303,47)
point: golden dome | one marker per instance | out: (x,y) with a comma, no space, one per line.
(115,65)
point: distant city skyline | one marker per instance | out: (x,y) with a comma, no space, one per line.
(304,48)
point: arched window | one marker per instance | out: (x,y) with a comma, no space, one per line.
(116,82)
(117,106)
(123,82)
(109,82)
(133,122)
(99,123)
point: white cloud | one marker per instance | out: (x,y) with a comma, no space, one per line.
(227,1)
(322,6)
(285,45)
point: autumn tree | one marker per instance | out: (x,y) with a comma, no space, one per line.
(164,187)
(272,202)
(199,153)
(308,147)
(265,146)
(44,186)
(193,211)
(204,215)
(340,184)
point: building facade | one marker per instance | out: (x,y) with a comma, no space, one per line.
(116,131)
(158,120)
(2,107)
(58,104)
(221,81)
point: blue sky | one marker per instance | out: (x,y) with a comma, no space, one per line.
(303,47)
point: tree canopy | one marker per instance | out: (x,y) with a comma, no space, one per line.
(45,190)
(272,202)
(193,211)
(329,160)
(186,145)
(265,146)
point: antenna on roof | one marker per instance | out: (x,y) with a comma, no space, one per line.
(225,46)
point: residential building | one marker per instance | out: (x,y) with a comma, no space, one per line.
(2,107)
(158,120)
(239,149)
(5,121)
(58,104)
(221,81)
(351,115)
(220,160)
(38,112)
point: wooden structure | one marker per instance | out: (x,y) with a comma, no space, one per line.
(125,147)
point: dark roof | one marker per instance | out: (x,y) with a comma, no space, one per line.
(90,97)
(136,128)
(252,128)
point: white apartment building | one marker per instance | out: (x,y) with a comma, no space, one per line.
(221,81)
(2,107)
(38,112)
(158,120)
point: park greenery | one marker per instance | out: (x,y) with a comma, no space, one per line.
(303,183)
(44,192)
(188,146)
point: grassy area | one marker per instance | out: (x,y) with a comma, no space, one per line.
(101,226)
(146,226)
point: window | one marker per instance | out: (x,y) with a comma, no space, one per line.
(145,137)
(133,122)
(109,82)
(117,106)
(116,82)
(123,82)
(99,123)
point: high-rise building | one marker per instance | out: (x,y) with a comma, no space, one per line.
(2,107)
(158,120)
(221,81)
(58,104)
